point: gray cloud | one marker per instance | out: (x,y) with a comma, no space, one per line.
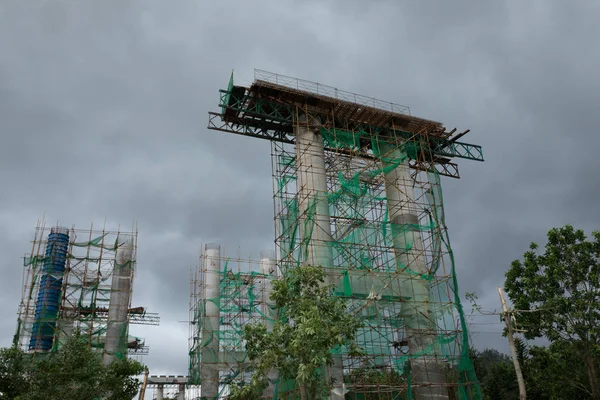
(103,114)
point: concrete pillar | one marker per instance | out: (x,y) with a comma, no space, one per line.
(181,393)
(427,372)
(209,370)
(159,392)
(268,267)
(115,346)
(313,208)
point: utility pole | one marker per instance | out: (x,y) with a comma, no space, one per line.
(513,349)
(143,389)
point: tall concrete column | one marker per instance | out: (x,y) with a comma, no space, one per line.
(181,393)
(159,392)
(427,371)
(268,268)
(115,346)
(313,208)
(209,369)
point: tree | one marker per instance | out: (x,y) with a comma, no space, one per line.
(557,294)
(556,372)
(120,380)
(496,374)
(73,373)
(312,323)
(551,373)
(13,373)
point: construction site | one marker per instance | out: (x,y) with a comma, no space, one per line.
(81,281)
(357,191)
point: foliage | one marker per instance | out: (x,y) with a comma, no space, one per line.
(556,372)
(312,323)
(496,374)
(13,370)
(120,381)
(73,373)
(557,294)
(472,298)
(553,372)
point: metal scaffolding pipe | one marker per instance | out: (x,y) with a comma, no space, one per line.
(115,346)
(315,224)
(426,369)
(268,269)
(209,369)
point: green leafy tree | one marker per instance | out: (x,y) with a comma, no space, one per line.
(553,372)
(73,373)
(496,374)
(120,381)
(312,323)
(13,373)
(556,372)
(557,294)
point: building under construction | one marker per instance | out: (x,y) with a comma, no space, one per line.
(227,292)
(80,281)
(357,191)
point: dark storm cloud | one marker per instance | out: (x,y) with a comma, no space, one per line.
(103,114)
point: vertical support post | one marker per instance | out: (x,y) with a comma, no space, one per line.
(513,349)
(144,384)
(268,268)
(313,207)
(181,392)
(315,224)
(209,362)
(160,392)
(115,346)
(427,373)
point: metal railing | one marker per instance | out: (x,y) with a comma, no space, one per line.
(329,91)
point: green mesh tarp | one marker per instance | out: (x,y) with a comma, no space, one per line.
(394,272)
(376,276)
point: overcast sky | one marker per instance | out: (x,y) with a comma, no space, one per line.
(103,114)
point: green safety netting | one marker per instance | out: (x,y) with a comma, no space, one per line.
(225,100)
(376,270)
(86,297)
(98,243)
(239,303)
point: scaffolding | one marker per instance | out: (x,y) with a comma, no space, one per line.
(226,293)
(357,191)
(80,281)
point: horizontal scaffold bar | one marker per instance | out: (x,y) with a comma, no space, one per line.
(216,122)
(247,113)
